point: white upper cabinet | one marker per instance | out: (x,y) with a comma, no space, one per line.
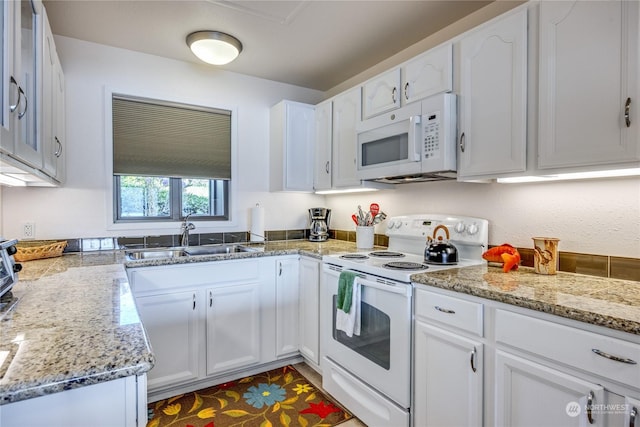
(381,94)
(323,142)
(428,74)
(493,98)
(346,115)
(28,60)
(9,85)
(588,83)
(292,143)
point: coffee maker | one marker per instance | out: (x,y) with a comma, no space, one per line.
(319,224)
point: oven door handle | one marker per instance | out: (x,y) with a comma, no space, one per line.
(401,289)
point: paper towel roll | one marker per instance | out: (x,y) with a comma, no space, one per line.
(257,224)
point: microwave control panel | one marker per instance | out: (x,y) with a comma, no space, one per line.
(431,140)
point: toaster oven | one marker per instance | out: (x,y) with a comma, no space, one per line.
(8,267)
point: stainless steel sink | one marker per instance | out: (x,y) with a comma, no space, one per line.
(155,254)
(163,253)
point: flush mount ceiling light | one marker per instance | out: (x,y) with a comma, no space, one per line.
(214,47)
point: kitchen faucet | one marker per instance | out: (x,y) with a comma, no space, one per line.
(186,226)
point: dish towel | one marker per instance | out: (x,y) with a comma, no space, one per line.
(348,304)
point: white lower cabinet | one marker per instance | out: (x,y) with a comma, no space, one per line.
(121,402)
(206,319)
(309,310)
(286,305)
(173,324)
(448,378)
(529,394)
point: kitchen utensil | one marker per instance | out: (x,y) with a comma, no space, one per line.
(439,251)
(355,219)
(360,215)
(381,216)
(368,219)
(374,209)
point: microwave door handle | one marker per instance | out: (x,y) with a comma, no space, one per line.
(414,137)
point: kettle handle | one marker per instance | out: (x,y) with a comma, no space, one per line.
(440,227)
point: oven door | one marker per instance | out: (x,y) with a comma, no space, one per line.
(380,355)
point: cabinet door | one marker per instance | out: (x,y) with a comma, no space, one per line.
(286,306)
(59,125)
(493,98)
(28,57)
(588,70)
(174,325)
(49,61)
(346,115)
(309,289)
(291,146)
(381,94)
(448,378)
(632,412)
(8,85)
(428,74)
(323,140)
(530,394)
(233,327)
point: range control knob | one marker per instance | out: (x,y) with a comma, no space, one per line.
(472,229)
(459,228)
(391,224)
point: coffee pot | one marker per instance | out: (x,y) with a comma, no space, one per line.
(319,224)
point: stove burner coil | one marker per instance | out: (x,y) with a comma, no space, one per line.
(405,266)
(354,256)
(387,254)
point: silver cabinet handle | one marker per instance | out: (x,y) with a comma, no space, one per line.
(210,299)
(393,94)
(26,103)
(326,166)
(280,270)
(612,357)
(58,147)
(462,142)
(627,112)
(590,399)
(473,359)
(444,310)
(406,91)
(13,107)
(194,301)
(632,417)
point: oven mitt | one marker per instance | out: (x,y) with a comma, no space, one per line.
(345,290)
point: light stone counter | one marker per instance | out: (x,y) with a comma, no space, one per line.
(74,324)
(600,301)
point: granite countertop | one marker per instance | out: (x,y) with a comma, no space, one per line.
(73,323)
(72,320)
(601,301)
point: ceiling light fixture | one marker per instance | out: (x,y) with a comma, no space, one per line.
(214,47)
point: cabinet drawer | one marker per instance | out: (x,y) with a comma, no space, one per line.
(574,347)
(450,311)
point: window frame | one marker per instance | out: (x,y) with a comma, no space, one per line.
(167,224)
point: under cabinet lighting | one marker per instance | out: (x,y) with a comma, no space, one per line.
(11,181)
(363,187)
(616,173)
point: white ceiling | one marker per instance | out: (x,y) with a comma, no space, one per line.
(311,43)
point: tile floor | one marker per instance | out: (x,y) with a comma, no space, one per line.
(315,379)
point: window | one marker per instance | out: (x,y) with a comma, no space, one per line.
(170,160)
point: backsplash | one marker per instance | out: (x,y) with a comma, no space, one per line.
(592,265)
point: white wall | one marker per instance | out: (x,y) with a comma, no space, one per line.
(79,209)
(593,216)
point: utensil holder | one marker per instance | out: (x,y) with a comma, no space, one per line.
(364,237)
(545,255)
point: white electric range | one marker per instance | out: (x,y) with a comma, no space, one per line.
(370,372)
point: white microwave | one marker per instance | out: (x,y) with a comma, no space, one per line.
(414,143)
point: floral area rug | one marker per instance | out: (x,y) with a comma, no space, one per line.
(281,397)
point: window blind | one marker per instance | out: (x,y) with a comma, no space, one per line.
(155,138)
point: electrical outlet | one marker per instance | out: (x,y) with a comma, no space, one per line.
(29,230)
